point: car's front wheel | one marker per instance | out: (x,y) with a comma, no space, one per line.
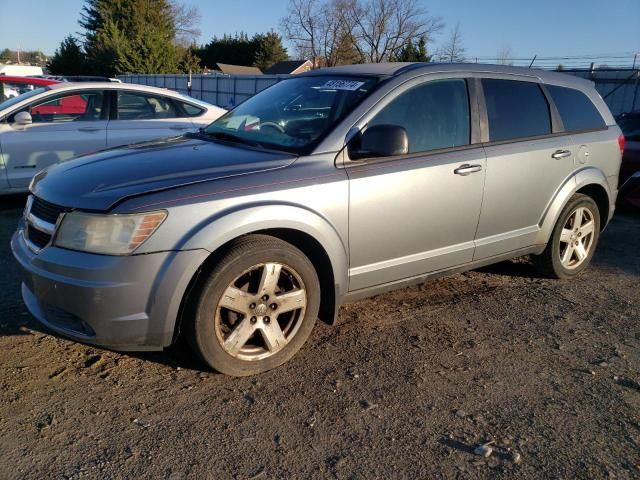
(257,308)
(573,241)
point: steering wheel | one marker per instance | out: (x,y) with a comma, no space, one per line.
(272,125)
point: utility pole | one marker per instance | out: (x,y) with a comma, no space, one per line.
(635,57)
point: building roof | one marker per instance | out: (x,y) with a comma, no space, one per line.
(238,69)
(288,66)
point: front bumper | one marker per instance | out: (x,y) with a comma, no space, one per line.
(119,302)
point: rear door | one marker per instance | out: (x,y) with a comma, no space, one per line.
(64,126)
(141,117)
(528,160)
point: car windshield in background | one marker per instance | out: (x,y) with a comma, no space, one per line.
(630,126)
(294,114)
(19,98)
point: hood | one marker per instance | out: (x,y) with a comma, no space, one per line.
(100,180)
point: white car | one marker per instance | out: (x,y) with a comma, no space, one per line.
(58,122)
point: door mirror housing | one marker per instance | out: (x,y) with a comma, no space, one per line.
(381,141)
(23,119)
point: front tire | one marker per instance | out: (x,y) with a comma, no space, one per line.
(573,240)
(257,308)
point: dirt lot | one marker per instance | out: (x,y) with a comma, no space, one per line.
(406,386)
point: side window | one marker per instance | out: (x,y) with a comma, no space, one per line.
(516,109)
(435,115)
(576,110)
(191,110)
(134,106)
(76,107)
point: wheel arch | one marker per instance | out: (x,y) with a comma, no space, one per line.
(589,181)
(306,230)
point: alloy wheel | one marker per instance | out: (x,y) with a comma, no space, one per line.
(576,238)
(260,311)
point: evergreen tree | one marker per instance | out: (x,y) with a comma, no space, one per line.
(69,59)
(269,50)
(190,61)
(235,50)
(130,36)
(414,52)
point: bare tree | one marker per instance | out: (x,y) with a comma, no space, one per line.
(453,50)
(348,31)
(381,28)
(505,56)
(318,30)
(187,20)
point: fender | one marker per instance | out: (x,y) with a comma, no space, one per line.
(579,179)
(227,225)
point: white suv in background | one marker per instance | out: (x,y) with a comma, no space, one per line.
(58,122)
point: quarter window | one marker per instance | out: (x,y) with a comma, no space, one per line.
(133,106)
(515,109)
(434,114)
(191,110)
(576,110)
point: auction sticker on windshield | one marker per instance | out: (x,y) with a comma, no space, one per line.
(350,85)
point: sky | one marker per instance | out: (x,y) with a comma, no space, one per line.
(547,28)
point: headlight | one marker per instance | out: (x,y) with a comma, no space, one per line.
(107,234)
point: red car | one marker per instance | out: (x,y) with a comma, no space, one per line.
(630,169)
(11,86)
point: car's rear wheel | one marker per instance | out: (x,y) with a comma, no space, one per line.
(573,241)
(257,308)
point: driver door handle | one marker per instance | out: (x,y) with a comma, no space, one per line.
(467,169)
(88,129)
(561,154)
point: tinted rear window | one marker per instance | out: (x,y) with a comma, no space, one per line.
(576,110)
(515,109)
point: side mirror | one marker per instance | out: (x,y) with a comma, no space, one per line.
(23,118)
(381,141)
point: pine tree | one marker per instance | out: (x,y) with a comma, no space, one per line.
(69,58)
(130,36)
(270,50)
(414,52)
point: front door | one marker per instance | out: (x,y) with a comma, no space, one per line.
(417,213)
(63,127)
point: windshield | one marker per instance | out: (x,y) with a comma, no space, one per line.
(292,115)
(13,100)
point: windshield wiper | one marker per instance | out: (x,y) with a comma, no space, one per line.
(230,137)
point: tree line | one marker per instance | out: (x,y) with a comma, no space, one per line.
(159,36)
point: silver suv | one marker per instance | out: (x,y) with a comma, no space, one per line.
(325,188)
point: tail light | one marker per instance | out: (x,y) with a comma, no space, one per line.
(621,143)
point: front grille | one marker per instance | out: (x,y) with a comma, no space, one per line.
(41,215)
(38,238)
(46,211)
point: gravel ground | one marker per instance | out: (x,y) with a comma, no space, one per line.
(406,386)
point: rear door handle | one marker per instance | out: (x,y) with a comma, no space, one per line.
(467,169)
(89,129)
(561,154)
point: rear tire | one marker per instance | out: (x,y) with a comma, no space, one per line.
(257,307)
(573,240)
